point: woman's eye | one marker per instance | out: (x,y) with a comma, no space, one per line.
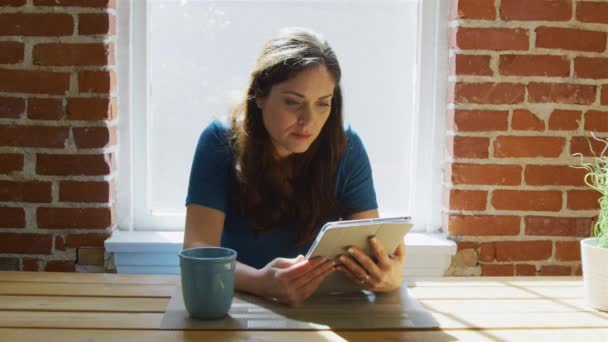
(324,104)
(291,102)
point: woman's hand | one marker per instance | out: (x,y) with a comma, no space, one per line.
(291,281)
(383,275)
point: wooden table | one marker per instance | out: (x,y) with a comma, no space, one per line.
(112,307)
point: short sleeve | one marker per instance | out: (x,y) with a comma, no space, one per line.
(208,183)
(355,182)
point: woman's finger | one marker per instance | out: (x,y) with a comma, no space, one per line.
(311,286)
(312,274)
(366,262)
(356,279)
(383,260)
(300,268)
(358,270)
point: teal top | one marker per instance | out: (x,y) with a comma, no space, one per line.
(213,184)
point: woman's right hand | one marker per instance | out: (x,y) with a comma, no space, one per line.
(292,281)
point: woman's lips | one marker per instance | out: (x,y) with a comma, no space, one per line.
(302,135)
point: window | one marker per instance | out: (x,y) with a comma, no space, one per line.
(183,63)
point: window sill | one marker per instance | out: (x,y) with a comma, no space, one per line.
(156,252)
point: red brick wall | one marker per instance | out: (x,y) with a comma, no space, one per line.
(57,133)
(529,80)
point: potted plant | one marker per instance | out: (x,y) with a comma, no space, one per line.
(594,251)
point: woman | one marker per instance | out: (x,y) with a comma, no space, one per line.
(264,184)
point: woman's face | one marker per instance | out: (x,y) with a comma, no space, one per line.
(295,111)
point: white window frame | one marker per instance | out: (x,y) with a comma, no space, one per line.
(430,103)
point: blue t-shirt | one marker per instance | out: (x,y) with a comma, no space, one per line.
(213,184)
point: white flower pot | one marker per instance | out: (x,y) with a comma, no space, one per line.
(595,273)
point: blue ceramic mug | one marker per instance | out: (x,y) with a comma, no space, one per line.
(207,280)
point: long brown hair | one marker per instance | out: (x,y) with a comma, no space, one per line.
(300,188)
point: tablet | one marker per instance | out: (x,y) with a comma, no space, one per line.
(334,237)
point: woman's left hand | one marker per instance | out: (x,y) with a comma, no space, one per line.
(383,275)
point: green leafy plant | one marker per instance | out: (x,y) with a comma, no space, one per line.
(597,179)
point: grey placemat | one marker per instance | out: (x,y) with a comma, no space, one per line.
(364,310)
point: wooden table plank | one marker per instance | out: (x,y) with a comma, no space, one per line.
(94,304)
(506,305)
(85,289)
(447,320)
(77,335)
(505,292)
(92,278)
(553,281)
(91,320)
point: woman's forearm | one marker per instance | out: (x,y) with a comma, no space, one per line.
(248,279)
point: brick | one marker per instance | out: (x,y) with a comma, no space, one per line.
(96,81)
(526,200)
(489,93)
(27,191)
(555,270)
(591,67)
(86,240)
(471,65)
(10,162)
(534,65)
(45,109)
(91,109)
(74,191)
(73,54)
(492,39)
(578,271)
(12,3)
(523,250)
(91,256)
(470,147)
(98,23)
(564,120)
(75,165)
(481,120)
(493,270)
(528,147)
(77,3)
(567,250)
(26,81)
(30,264)
(9,264)
(561,93)
(460,225)
(486,174)
(60,266)
(468,200)
(75,218)
(12,217)
(34,136)
(545,10)
(36,24)
(11,107)
(581,145)
(524,120)
(558,226)
(487,252)
(583,199)
(25,243)
(462,245)
(473,9)
(12,52)
(596,121)
(592,12)
(59,243)
(604,95)
(554,175)
(570,39)
(525,270)
(94,137)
